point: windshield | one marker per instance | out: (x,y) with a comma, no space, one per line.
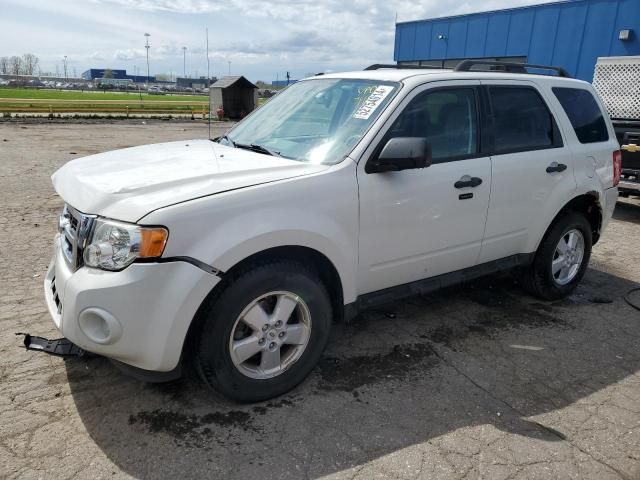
(315,121)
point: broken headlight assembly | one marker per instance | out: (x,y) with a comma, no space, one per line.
(116,245)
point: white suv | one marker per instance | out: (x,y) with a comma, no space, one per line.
(343,191)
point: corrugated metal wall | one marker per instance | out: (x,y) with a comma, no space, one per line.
(571,34)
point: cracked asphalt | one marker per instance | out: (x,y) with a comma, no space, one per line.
(477,381)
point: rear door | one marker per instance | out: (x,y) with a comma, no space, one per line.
(532,168)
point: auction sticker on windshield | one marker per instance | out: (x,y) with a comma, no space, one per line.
(369,106)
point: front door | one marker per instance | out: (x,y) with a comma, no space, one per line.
(421,223)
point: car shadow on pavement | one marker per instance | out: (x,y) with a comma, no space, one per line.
(483,359)
(627,210)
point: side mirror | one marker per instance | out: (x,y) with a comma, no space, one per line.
(401,153)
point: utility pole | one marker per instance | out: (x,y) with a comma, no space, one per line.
(65,67)
(208,71)
(229,62)
(147,46)
(184,62)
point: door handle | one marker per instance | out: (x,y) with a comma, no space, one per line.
(467,181)
(556,167)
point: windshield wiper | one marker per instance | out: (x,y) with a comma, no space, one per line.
(227,139)
(254,147)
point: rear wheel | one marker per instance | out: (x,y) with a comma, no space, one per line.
(265,331)
(562,258)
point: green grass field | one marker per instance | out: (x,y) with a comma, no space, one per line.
(20,100)
(27,93)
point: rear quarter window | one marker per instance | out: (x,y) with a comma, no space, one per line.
(584,114)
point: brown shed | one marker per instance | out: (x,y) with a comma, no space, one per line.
(236,95)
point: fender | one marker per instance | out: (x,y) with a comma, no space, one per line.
(318,211)
(294,238)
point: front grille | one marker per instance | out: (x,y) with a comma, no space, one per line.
(56,297)
(75,228)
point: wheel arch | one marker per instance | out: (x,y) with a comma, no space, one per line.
(590,206)
(307,256)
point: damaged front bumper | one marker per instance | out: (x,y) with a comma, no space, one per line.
(138,316)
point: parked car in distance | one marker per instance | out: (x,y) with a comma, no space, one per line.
(344,191)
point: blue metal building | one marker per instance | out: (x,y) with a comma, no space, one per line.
(571,34)
(94,73)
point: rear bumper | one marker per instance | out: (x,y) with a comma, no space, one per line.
(139,316)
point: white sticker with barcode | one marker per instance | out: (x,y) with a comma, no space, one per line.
(374,100)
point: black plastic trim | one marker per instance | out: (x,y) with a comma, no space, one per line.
(510,67)
(148,375)
(486,122)
(378,66)
(428,285)
(193,261)
(61,347)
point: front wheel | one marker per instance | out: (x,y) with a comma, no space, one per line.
(562,258)
(265,331)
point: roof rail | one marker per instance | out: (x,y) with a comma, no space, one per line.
(378,66)
(511,67)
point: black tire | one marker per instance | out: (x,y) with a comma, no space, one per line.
(213,359)
(538,278)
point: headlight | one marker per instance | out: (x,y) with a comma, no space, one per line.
(115,245)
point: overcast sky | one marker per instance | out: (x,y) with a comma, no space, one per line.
(261,38)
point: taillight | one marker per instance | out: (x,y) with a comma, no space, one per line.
(617,167)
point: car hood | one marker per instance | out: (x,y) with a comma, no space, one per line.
(129,183)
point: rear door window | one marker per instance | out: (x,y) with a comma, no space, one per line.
(521,120)
(584,114)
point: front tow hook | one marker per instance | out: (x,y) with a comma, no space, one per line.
(60,347)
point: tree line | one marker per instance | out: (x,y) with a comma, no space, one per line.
(27,64)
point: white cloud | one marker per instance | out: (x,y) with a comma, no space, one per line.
(175,6)
(129,54)
(260,37)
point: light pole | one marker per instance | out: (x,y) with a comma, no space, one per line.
(184,62)
(147,46)
(208,73)
(229,62)
(65,67)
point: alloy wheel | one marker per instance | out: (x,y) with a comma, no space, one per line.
(270,335)
(567,257)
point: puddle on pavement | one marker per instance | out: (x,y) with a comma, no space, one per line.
(350,373)
(195,430)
